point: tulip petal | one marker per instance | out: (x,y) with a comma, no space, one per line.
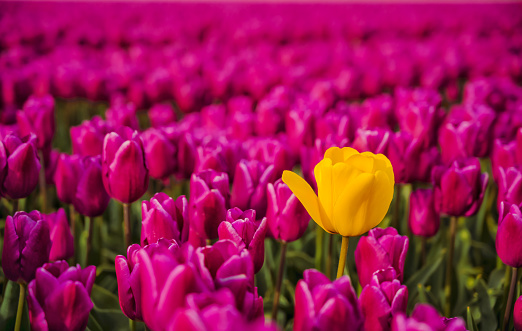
(11,251)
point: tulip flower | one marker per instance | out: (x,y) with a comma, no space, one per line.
(517,314)
(91,199)
(27,244)
(246,233)
(425,317)
(210,155)
(22,166)
(380,249)
(382,298)
(509,249)
(459,188)
(287,219)
(122,114)
(424,219)
(249,187)
(62,246)
(59,297)
(324,305)
(270,151)
(37,117)
(504,156)
(87,138)
(299,124)
(160,153)
(421,116)
(125,172)
(66,177)
(164,217)
(187,154)
(209,199)
(376,112)
(161,114)
(375,141)
(509,186)
(354,193)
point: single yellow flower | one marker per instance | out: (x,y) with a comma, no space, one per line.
(354,191)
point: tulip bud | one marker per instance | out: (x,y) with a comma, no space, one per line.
(209,199)
(27,244)
(249,187)
(507,242)
(161,114)
(246,233)
(87,138)
(162,217)
(424,219)
(517,314)
(380,249)
(160,154)
(22,168)
(124,169)
(59,297)
(382,298)
(37,117)
(459,188)
(321,304)
(286,216)
(62,246)
(91,199)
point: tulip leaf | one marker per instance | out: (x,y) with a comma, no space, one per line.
(488,320)
(299,260)
(104,299)
(9,307)
(422,276)
(472,326)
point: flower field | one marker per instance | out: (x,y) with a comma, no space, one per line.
(263,167)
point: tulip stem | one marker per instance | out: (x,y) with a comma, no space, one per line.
(319,237)
(449,265)
(329,257)
(423,251)
(395,220)
(279,281)
(127,225)
(21,300)
(72,218)
(90,225)
(509,303)
(42,183)
(342,258)
(132,325)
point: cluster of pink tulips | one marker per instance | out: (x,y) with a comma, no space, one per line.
(146,157)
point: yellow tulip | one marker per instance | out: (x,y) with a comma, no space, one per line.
(354,191)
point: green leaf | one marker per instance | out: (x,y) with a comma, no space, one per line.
(472,326)
(10,306)
(488,319)
(299,260)
(104,299)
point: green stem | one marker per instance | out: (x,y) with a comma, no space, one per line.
(72,218)
(42,183)
(319,237)
(90,226)
(449,265)
(21,300)
(342,258)
(127,225)
(279,281)
(132,325)
(329,257)
(509,303)
(396,209)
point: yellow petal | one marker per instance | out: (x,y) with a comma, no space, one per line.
(365,162)
(350,209)
(323,176)
(304,192)
(380,199)
(337,154)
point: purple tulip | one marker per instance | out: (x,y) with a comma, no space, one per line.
(425,317)
(209,200)
(459,188)
(299,124)
(410,159)
(68,171)
(517,314)
(160,153)
(509,186)
(124,167)
(161,114)
(424,219)
(375,113)
(321,304)
(62,246)
(22,167)
(380,249)
(286,216)
(270,151)
(243,229)
(211,155)
(375,141)
(122,114)
(505,156)
(37,117)
(509,248)
(87,138)
(27,244)
(187,154)
(249,187)
(162,217)
(91,199)
(382,298)
(59,297)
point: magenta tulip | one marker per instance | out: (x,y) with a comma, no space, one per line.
(37,117)
(62,246)
(507,243)
(161,114)
(424,219)
(426,317)
(160,154)
(87,138)
(517,314)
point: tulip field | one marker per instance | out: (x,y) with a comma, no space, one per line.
(260,166)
